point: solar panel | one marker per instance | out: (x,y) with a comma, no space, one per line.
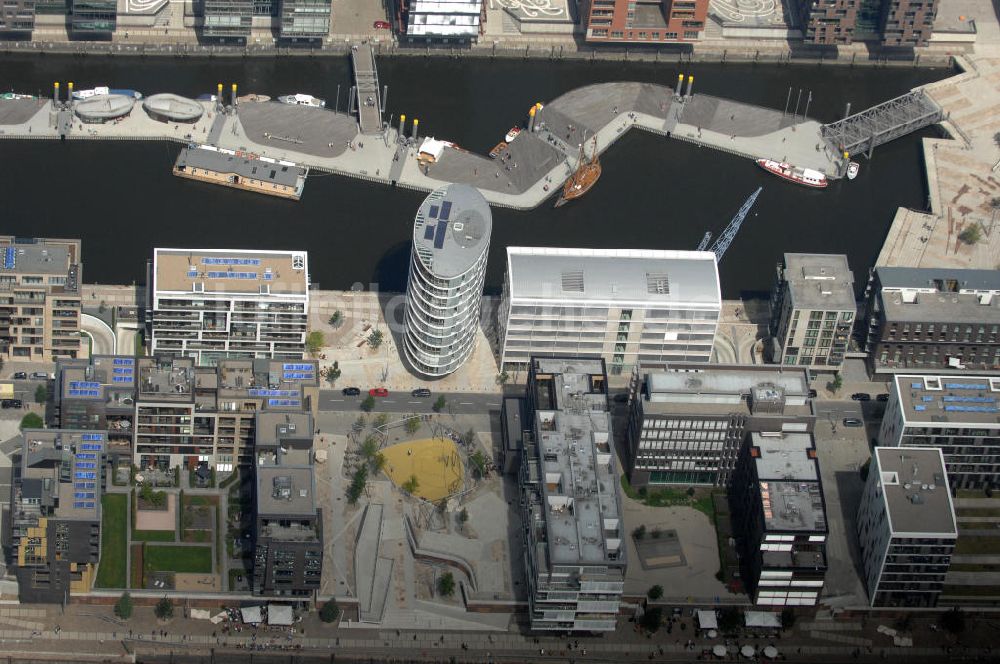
(434,212)
(445,210)
(92,436)
(428,232)
(298,375)
(289,366)
(123,379)
(284,402)
(9,258)
(273,393)
(84,384)
(965,386)
(124,362)
(442,226)
(232,275)
(230,261)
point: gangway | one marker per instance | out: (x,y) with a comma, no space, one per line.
(366,89)
(723,241)
(883,123)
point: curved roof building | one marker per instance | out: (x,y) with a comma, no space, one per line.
(169,107)
(102,108)
(451,239)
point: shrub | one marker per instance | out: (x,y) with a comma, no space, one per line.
(655,593)
(337,318)
(412,424)
(358,482)
(330,611)
(32,421)
(411,485)
(971,234)
(439,404)
(164,609)
(315,342)
(41,394)
(446,584)
(368,404)
(375,339)
(123,607)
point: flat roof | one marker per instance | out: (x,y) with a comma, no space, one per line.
(788,476)
(820,281)
(285,490)
(166,378)
(231,271)
(907,475)
(657,277)
(939,295)
(952,399)
(724,389)
(102,378)
(69,465)
(26,255)
(925,277)
(288,175)
(452,230)
(272,427)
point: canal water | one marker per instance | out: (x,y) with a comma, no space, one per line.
(122,200)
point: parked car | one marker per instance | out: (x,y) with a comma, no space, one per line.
(351,391)
(381,25)
(812,394)
(420,392)
(852,422)
(11,403)
(861,396)
(39,375)
(882,397)
(378,392)
(20,375)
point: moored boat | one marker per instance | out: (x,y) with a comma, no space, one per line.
(583,179)
(500,147)
(512,134)
(852,170)
(804,176)
(15,95)
(103,90)
(302,100)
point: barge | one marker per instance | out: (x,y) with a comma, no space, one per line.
(241,170)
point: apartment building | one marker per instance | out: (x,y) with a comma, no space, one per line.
(812,311)
(626,306)
(227,19)
(645,21)
(954,413)
(307,20)
(906,527)
(98,394)
(17,16)
(94,19)
(211,304)
(55,513)
(187,415)
(574,556)
(288,523)
(907,22)
(932,319)
(40,299)
(687,424)
(779,519)
(827,22)
(454,22)
(892,23)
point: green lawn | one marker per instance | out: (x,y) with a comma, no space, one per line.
(977,545)
(193,559)
(153,536)
(114,511)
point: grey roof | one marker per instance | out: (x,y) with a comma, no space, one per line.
(40,258)
(245,167)
(722,389)
(273,427)
(454,249)
(285,490)
(789,485)
(820,281)
(923,277)
(620,275)
(103,107)
(904,472)
(173,106)
(949,400)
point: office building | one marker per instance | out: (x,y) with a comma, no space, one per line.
(454,22)
(906,527)
(97,394)
(574,556)
(444,292)
(40,299)
(686,425)
(190,416)
(957,414)
(779,520)
(288,524)
(210,304)
(17,16)
(932,319)
(304,19)
(95,19)
(812,311)
(892,23)
(645,21)
(55,513)
(626,306)
(227,19)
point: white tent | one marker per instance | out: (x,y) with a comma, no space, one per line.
(251,615)
(279,614)
(431,149)
(201,614)
(762,619)
(707,620)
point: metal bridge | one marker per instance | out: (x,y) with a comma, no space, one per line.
(366,92)
(885,122)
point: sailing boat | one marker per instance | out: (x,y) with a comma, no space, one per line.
(585,177)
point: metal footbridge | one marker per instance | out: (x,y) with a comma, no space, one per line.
(885,122)
(366,89)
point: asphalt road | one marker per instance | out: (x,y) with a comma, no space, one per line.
(401,402)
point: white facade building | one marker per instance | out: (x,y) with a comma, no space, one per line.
(444,292)
(622,305)
(211,304)
(442,21)
(906,527)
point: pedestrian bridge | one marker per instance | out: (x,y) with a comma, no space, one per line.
(366,86)
(883,123)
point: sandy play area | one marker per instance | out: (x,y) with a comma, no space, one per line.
(435,462)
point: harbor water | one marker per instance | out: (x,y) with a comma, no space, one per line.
(122,200)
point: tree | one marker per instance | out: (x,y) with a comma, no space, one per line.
(164,609)
(375,339)
(412,424)
(729,619)
(971,234)
(333,373)
(41,394)
(470,437)
(123,607)
(954,621)
(787,617)
(378,463)
(655,592)
(411,485)
(478,461)
(337,318)
(368,404)
(330,611)
(32,421)
(369,448)
(639,532)
(358,482)
(502,378)
(315,342)
(359,423)
(651,620)
(380,420)
(446,584)
(836,383)
(439,404)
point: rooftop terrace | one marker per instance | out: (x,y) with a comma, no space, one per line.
(230,271)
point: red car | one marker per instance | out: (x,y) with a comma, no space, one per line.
(378,392)
(382,25)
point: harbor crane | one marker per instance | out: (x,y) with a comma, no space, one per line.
(723,241)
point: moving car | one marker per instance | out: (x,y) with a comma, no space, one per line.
(852,422)
(378,392)
(20,375)
(420,392)
(351,391)
(381,25)
(861,396)
(39,375)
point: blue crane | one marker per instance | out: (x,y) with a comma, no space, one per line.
(723,241)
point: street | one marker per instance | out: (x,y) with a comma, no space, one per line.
(463,403)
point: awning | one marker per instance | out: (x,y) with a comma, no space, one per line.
(279,614)
(707,620)
(251,615)
(431,149)
(762,619)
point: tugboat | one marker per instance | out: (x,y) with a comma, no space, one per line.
(585,177)
(852,170)
(804,176)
